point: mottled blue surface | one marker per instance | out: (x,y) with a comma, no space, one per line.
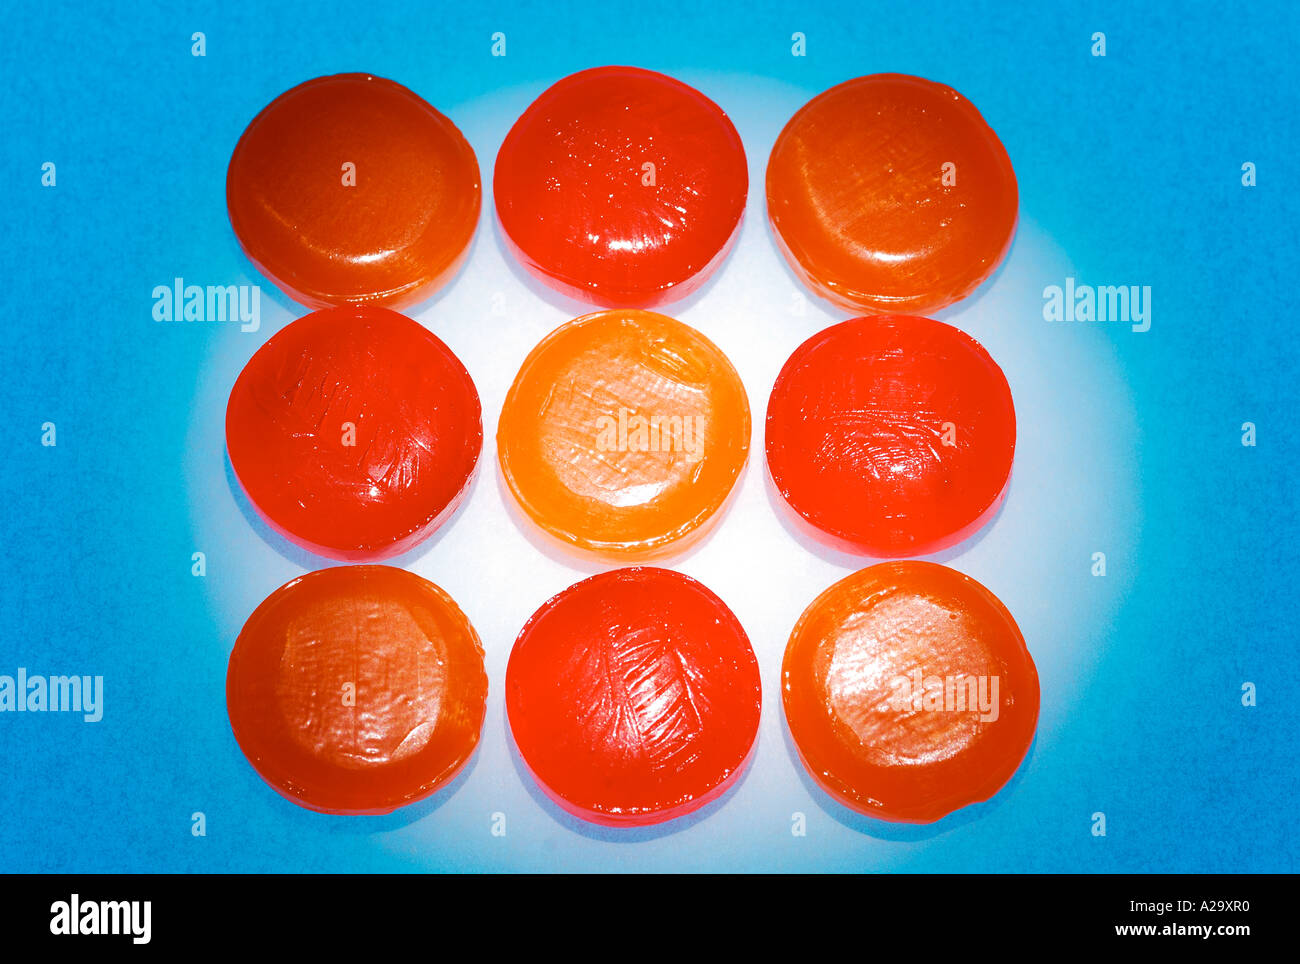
(1130,173)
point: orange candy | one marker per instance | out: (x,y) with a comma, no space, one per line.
(909,691)
(890,193)
(350,189)
(623,432)
(357,689)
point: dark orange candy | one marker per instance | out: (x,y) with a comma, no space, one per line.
(357,689)
(351,189)
(890,193)
(621,187)
(633,696)
(354,431)
(891,435)
(909,691)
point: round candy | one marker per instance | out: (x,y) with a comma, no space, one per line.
(890,193)
(624,431)
(909,691)
(891,436)
(354,431)
(633,697)
(621,187)
(357,689)
(351,189)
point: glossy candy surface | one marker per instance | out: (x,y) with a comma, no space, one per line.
(909,692)
(354,431)
(890,193)
(357,689)
(623,432)
(633,696)
(350,188)
(891,435)
(621,187)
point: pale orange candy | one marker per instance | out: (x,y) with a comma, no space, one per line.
(624,433)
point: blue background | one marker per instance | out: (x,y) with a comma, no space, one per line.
(1130,171)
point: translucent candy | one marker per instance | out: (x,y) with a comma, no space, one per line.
(355,432)
(351,189)
(621,187)
(633,696)
(890,193)
(357,689)
(891,436)
(909,691)
(624,433)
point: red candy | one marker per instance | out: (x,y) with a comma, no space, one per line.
(354,431)
(633,696)
(621,187)
(892,435)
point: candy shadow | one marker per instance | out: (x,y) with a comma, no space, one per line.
(590,562)
(901,832)
(548,545)
(815,301)
(620,835)
(267,287)
(292,308)
(952,552)
(972,300)
(310,561)
(306,821)
(799,529)
(431,301)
